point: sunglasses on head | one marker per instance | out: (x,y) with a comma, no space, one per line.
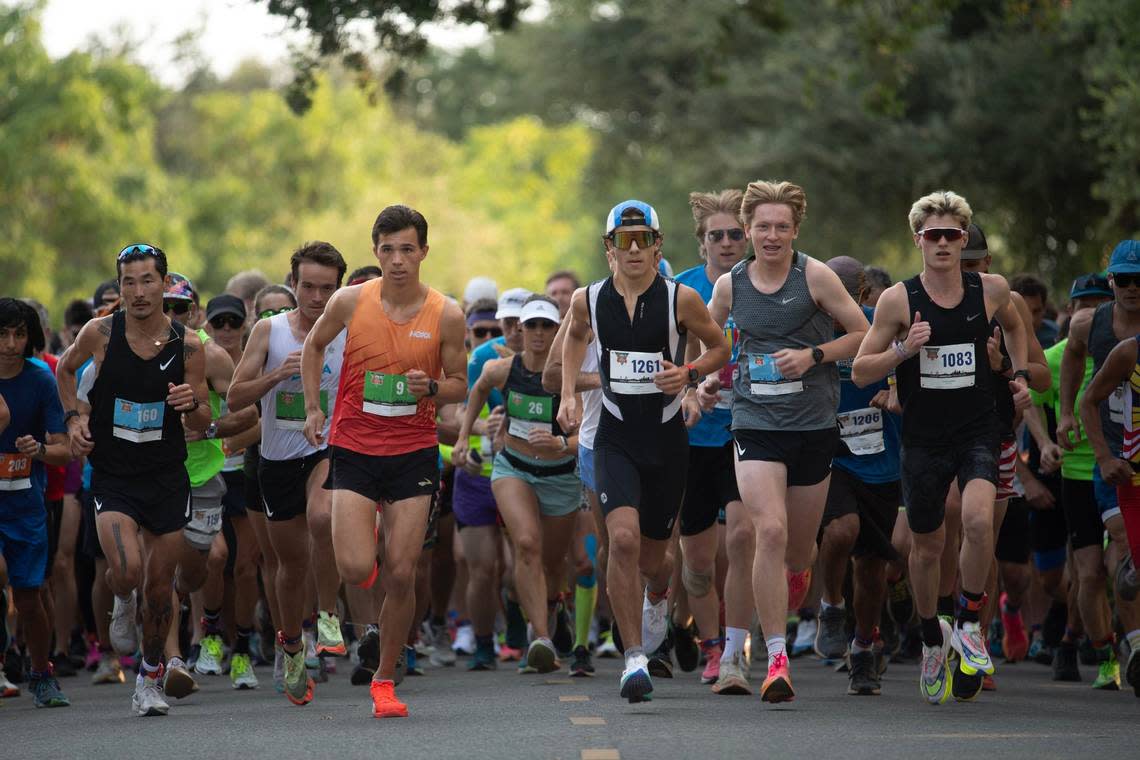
(535,324)
(147,250)
(1126,280)
(934,234)
(233,321)
(624,239)
(483,332)
(178,307)
(715,236)
(267,313)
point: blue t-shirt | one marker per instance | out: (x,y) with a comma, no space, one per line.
(874,432)
(713,427)
(479,357)
(33,401)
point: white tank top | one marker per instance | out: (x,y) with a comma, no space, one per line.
(283,408)
(591,401)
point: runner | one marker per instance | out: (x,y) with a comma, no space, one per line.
(560,286)
(291,470)
(404,354)
(137,447)
(641,321)
(945,387)
(32,436)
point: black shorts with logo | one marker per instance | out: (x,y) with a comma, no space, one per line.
(928,471)
(384,478)
(285,485)
(876,504)
(158,502)
(806,453)
(711,486)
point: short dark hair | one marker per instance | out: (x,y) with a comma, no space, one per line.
(564,274)
(1028,285)
(369,271)
(397,218)
(16,313)
(153,253)
(318,252)
(271,289)
(78,313)
(877,277)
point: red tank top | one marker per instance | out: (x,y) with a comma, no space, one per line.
(375,414)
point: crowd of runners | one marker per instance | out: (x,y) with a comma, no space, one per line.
(765,456)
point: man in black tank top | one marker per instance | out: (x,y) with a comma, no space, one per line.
(640,320)
(934,329)
(151,383)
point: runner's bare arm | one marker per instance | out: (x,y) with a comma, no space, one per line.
(192,397)
(494,375)
(220,373)
(877,355)
(1016,335)
(91,342)
(695,318)
(552,372)
(573,354)
(5,415)
(250,382)
(828,291)
(1073,362)
(1117,368)
(337,314)
(453,356)
(1040,377)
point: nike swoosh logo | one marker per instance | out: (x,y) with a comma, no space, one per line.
(972,317)
(739,448)
(98,505)
(787,301)
(166,363)
(188,498)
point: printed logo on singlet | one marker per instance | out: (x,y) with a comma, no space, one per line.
(163,365)
(422,334)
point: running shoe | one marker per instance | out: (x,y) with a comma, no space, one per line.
(298,684)
(62,667)
(93,655)
(309,647)
(994,638)
(1038,652)
(830,637)
(1065,663)
(412,667)
(1086,653)
(46,692)
(368,649)
(1014,640)
(900,604)
(210,656)
(712,649)
(606,649)
(798,586)
(330,640)
(540,657)
(1108,670)
(636,685)
(7,688)
(937,677)
(124,632)
(176,680)
(1127,579)
(483,659)
(581,666)
(278,669)
(654,622)
(806,631)
(464,645)
(732,677)
(864,675)
(988,683)
(384,702)
(241,672)
(1132,671)
(661,661)
(971,647)
(147,700)
(15,665)
(442,655)
(777,686)
(108,670)
(508,653)
(685,646)
(561,631)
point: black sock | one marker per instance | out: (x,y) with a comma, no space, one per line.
(485,642)
(211,621)
(241,644)
(931,632)
(971,607)
(946,605)
(437,621)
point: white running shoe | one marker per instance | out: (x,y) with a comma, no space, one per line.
(654,622)
(241,672)
(805,637)
(148,700)
(7,688)
(177,681)
(464,641)
(124,633)
(211,656)
(108,670)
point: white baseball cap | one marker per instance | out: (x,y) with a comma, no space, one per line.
(479,288)
(511,303)
(539,309)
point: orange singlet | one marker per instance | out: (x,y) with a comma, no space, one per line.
(375,414)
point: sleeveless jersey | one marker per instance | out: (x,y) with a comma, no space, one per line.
(204,459)
(713,427)
(377,415)
(630,352)
(763,399)
(283,407)
(591,401)
(1102,339)
(946,389)
(1130,447)
(134,429)
(870,434)
(529,407)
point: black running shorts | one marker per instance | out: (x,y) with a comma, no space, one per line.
(806,453)
(711,486)
(384,478)
(1082,515)
(876,504)
(928,471)
(285,485)
(159,503)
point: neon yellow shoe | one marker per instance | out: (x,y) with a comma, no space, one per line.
(329,638)
(241,672)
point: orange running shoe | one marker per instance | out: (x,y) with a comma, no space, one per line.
(798,586)
(384,702)
(778,685)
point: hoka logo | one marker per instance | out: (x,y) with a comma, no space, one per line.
(423,334)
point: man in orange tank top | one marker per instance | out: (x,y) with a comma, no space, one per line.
(403,354)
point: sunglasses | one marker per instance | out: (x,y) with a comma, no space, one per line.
(539,324)
(267,313)
(934,234)
(147,250)
(232,321)
(1126,280)
(178,307)
(483,332)
(715,236)
(624,239)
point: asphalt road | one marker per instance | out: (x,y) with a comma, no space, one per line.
(455,714)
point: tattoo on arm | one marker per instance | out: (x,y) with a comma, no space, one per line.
(105,326)
(188,350)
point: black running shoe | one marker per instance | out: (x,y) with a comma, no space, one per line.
(661,661)
(62,666)
(368,650)
(900,604)
(1065,663)
(14,666)
(685,647)
(562,634)
(581,666)
(864,678)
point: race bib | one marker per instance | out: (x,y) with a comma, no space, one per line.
(387,395)
(1116,405)
(15,472)
(862,431)
(234,460)
(529,413)
(946,367)
(206,522)
(138,422)
(844,366)
(290,413)
(766,379)
(727,376)
(631,372)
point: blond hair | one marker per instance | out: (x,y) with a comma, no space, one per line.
(940,203)
(705,205)
(770,191)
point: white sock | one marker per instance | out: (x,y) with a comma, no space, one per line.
(825,606)
(776,645)
(733,642)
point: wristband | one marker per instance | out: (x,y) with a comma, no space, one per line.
(42,450)
(1022,373)
(69,414)
(900,349)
